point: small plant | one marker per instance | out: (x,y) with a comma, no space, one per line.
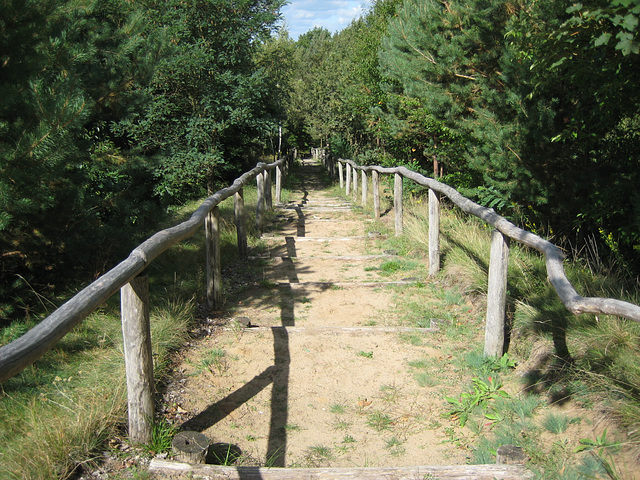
(318,453)
(348,439)
(225,454)
(482,393)
(215,360)
(503,364)
(364,354)
(394,445)
(601,449)
(162,433)
(379,421)
(556,423)
(337,408)
(341,425)
(390,393)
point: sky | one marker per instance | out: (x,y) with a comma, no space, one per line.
(300,16)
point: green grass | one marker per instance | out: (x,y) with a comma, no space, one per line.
(379,421)
(556,422)
(57,415)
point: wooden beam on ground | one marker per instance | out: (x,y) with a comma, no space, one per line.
(455,472)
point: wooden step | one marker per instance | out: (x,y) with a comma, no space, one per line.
(339,330)
(327,285)
(447,472)
(318,239)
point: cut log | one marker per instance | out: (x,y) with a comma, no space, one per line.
(190,447)
(456,472)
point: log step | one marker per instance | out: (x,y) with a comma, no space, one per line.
(455,472)
(336,330)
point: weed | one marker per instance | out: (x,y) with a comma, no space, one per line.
(224,454)
(162,434)
(482,393)
(292,427)
(601,449)
(395,446)
(341,425)
(348,439)
(337,408)
(214,361)
(364,354)
(556,423)
(317,454)
(389,393)
(425,379)
(379,421)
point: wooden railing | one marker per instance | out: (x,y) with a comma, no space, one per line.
(347,173)
(126,276)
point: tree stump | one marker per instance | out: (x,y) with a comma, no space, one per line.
(190,447)
(510,455)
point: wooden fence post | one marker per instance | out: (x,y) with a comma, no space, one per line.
(364,188)
(434,233)
(260,204)
(355,181)
(341,175)
(214,273)
(496,295)
(138,358)
(397,202)
(375,185)
(348,186)
(278,185)
(268,197)
(240,223)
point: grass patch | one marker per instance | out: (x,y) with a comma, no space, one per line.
(379,421)
(57,415)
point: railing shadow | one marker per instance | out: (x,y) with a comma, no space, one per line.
(276,375)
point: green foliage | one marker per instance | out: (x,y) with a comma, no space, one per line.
(482,393)
(111,110)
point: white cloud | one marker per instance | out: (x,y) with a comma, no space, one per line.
(300,16)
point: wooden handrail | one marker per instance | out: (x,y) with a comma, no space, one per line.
(554,257)
(24,351)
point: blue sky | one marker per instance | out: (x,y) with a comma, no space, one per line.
(300,16)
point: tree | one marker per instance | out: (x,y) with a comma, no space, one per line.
(65,70)
(206,101)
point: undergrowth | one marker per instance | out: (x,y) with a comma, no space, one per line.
(57,416)
(588,359)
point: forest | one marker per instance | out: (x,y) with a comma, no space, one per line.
(113,112)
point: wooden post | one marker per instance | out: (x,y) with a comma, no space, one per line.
(496,295)
(364,188)
(375,185)
(434,233)
(190,447)
(240,223)
(268,197)
(138,358)
(260,204)
(348,186)
(340,174)
(214,272)
(397,202)
(278,185)
(355,181)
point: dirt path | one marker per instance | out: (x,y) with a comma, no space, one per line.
(321,377)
